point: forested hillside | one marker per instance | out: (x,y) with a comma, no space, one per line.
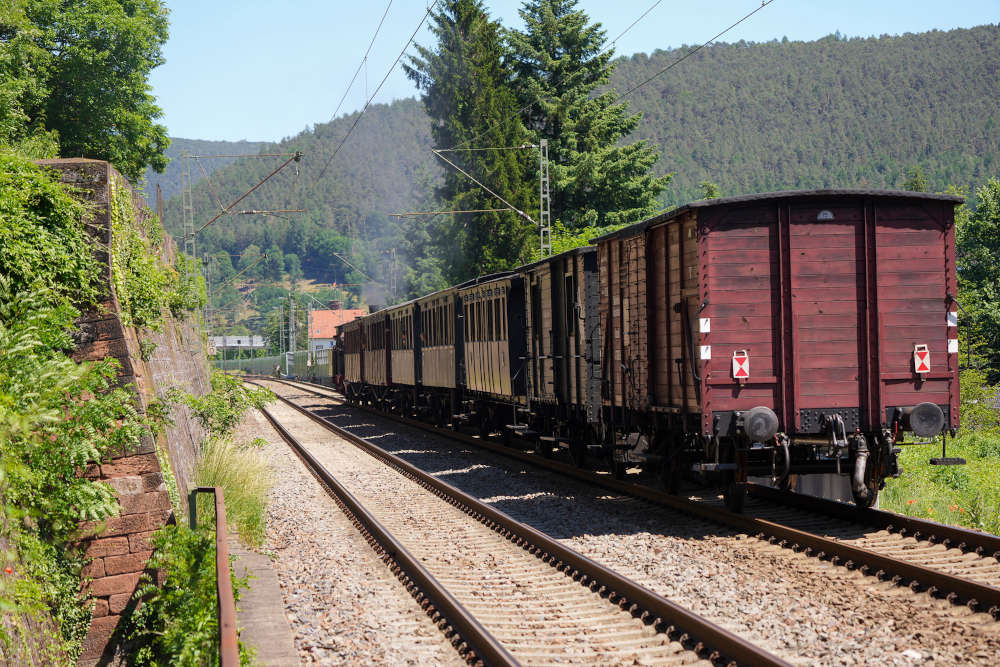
(748,117)
(835,112)
(170,180)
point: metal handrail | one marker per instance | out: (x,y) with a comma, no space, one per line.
(229,650)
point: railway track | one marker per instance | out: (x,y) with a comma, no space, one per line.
(505,592)
(949,562)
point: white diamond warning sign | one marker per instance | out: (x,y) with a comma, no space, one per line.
(741,364)
(921,359)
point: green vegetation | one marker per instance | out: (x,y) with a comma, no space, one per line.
(177,623)
(245,478)
(74,80)
(55,415)
(466,92)
(977,241)
(238,468)
(559,63)
(963,495)
(144,285)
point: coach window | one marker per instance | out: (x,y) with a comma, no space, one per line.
(489,321)
(570,299)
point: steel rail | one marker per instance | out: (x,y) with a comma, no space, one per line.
(967,540)
(955,588)
(477,638)
(229,644)
(627,594)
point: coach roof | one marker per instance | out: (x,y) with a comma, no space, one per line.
(670,214)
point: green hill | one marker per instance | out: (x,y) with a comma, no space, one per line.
(170,180)
(749,117)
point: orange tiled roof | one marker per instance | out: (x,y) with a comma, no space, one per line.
(324,323)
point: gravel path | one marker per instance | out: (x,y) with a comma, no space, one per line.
(343,604)
(805,610)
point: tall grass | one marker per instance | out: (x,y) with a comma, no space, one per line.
(244,475)
(966,495)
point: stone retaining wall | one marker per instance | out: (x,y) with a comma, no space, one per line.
(120,545)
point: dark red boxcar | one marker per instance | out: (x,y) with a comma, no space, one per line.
(827,318)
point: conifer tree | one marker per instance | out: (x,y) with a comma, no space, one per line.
(558,64)
(465,89)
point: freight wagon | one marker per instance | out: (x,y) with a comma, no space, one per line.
(780,334)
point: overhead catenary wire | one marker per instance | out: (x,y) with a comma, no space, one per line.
(763,4)
(364,59)
(357,119)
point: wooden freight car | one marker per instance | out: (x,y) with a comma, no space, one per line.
(780,334)
(562,366)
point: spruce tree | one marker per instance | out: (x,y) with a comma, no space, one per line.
(558,64)
(466,92)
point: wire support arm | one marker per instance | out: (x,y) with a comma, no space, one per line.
(486,189)
(296,157)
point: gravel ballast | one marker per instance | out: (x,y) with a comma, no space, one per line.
(805,610)
(343,604)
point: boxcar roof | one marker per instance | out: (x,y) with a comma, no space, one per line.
(566,253)
(738,200)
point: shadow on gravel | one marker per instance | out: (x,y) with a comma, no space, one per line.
(563,508)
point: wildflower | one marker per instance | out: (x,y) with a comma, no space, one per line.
(953,508)
(8,570)
(930,510)
(911,502)
(961,511)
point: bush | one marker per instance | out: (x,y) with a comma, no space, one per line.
(221,410)
(177,622)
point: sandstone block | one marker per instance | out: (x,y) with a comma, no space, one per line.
(100,632)
(94,569)
(145,502)
(125,525)
(131,465)
(140,542)
(109,546)
(117,603)
(129,485)
(100,608)
(135,562)
(120,583)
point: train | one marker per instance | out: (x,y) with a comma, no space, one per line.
(773,335)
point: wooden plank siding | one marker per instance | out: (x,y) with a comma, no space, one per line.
(828,292)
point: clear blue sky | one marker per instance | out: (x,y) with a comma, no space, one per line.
(264,69)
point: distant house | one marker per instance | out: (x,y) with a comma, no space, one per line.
(323,324)
(237,342)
